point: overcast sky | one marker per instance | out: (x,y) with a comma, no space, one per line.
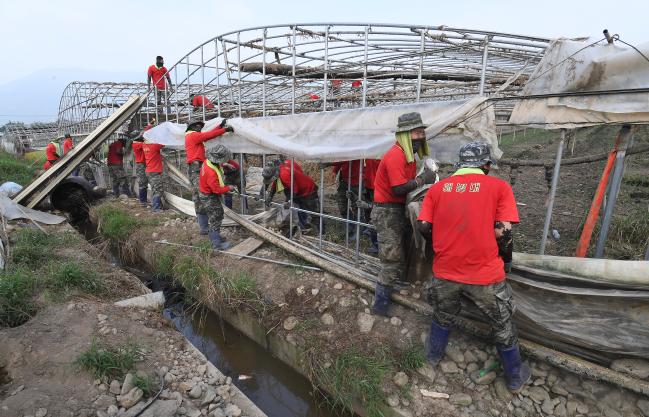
(125,36)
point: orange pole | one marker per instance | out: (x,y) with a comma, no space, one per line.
(593,213)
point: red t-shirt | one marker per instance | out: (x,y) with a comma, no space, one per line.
(462,210)
(369,172)
(138,151)
(67,145)
(303,184)
(51,152)
(158,76)
(393,170)
(114,155)
(152,157)
(208,182)
(200,101)
(344,169)
(194,147)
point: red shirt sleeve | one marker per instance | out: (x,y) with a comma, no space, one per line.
(205,136)
(506,210)
(396,168)
(428,206)
(150,70)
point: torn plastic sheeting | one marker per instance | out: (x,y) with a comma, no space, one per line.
(347,134)
(596,68)
(13,211)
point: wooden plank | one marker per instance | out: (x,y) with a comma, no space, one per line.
(39,188)
(246,247)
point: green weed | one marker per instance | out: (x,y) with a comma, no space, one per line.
(163,263)
(146,383)
(31,248)
(69,276)
(411,358)
(355,376)
(106,362)
(17,289)
(116,224)
(16,169)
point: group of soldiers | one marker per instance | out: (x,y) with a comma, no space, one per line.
(466,217)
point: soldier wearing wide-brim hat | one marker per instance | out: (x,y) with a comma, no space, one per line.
(395,178)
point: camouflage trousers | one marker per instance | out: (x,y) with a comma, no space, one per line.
(118,177)
(157,183)
(310,203)
(214,210)
(342,200)
(495,301)
(140,171)
(194,173)
(393,230)
(85,170)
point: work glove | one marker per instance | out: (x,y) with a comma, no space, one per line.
(364,205)
(426,177)
(232,187)
(229,129)
(508,267)
(223,122)
(350,195)
(287,205)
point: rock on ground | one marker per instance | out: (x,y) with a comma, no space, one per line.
(365,322)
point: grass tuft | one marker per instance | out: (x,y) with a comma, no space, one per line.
(31,248)
(16,169)
(411,358)
(355,376)
(146,383)
(17,288)
(106,362)
(69,276)
(116,224)
(163,263)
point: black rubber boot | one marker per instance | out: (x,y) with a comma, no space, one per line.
(517,373)
(381,304)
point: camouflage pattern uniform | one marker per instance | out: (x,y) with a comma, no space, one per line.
(495,301)
(118,177)
(85,170)
(310,203)
(341,199)
(393,232)
(214,208)
(140,171)
(194,173)
(157,183)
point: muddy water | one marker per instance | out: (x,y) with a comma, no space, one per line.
(273,386)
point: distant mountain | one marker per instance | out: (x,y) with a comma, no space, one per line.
(36,96)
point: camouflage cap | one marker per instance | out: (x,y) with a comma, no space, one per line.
(219,154)
(269,172)
(475,154)
(409,121)
(195,125)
